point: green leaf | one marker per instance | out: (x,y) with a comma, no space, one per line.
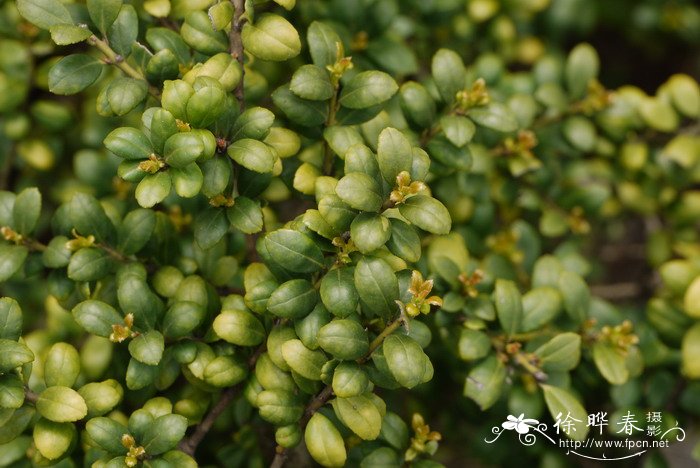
(271,37)
(561,404)
(239,327)
(296,251)
(370,231)
(74,73)
(207,104)
(338,292)
(10,319)
(11,391)
(473,344)
(581,133)
(302,360)
(349,379)
(148,347)
(122,33)
(406,360)
(153,189)
(385,456)
(394,154)
(245,215)
(89,264)
(404,242)
(311,82)
(26,210)
(685,94)
(210,226)
(128,143)
(367,89)
(341,139)
(691,298)
(293,299)
(61,365)
(485,382)
(611,363)
(97,317)
(216,174)
(323,42)
(56,254)
(658,114)
(53,439)
(279,407)
(103,12)
(61,404)
(163,38)
(344,339)
(360,415)
(300,111)
(220,15)
(67,34)
(140,375)
(11,260)
(509,307)
(254,123)
(182,149)
(575,294)
(89,218)
(15,423)
(417,104)
(581,67)
(449,74)
(495,116)
(560,354)
(164,434)
(101,397)
(377,286)
(458,130)
(13,355)
(225,371)
(14,451)
(540,306)
(187,180)
(252,154)
(690,350)
(107,434)
(426,213)
(157,8)
(324,442)
(181,318)
(359,191)
(449,155)
(44,13)
(125,94)
(136,230)
(287,4)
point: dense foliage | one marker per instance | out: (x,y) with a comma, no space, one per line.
(361,233)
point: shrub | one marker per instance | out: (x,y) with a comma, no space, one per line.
(233,230)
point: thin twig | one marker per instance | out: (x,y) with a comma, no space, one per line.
(30,396)
(236,46)
(118,61)
(190,444)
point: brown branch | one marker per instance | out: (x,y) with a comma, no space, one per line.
(30,396)
(236,46)
(190,444)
